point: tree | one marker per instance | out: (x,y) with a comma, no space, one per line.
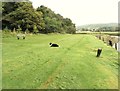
(55,23)
(35,30)
(42,20)
(19,29)
(21,13)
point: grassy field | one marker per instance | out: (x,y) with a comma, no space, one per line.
(0,59)
(31,63)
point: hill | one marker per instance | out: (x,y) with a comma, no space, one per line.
(108,26)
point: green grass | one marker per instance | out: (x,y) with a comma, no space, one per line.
(31,63)
(0,60)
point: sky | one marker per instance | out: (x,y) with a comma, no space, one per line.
(83,12)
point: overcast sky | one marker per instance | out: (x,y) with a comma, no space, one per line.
(83,12)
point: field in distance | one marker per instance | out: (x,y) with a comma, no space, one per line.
(33,64)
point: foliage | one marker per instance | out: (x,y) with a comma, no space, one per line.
(0,11)
(20,13)
(55,22)
(19,29)
(42,19)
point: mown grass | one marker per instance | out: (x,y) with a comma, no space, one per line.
(0,59)
(31,63)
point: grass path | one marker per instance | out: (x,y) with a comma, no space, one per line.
(59,68)
(31,63)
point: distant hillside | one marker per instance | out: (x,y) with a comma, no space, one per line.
(97,26)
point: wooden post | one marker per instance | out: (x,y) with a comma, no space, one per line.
(23,37)
(110,43)
(116,46)
(99,52)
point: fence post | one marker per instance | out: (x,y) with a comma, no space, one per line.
(99,52)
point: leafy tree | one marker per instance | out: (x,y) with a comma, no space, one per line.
(35,30)
(55,22)
(19,29)
(42,20)
(21,13)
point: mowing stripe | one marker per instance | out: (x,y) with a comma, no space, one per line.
(59,68)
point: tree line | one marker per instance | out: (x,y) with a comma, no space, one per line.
(102,29)
(107,27)
(22,17)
